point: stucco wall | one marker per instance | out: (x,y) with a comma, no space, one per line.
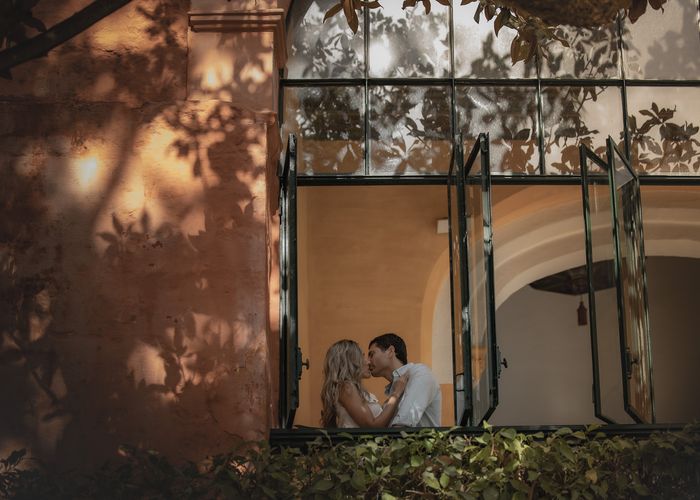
(137,244)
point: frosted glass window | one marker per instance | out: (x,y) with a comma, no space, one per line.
(592,53)
(664,45)
(408,43)
(319,49)
(329,124)
(479,53)
(410,130)
(509,115)
(578,115)
(664,125)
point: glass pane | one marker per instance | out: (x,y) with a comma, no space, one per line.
(478,242)
(633,287)
(606,337)
(329,123)
(479,53)
(509,115)
(578,115)
(410,130)
(409,43)
(319,49)
(592,53)
(457,262)
(663,44)
(664,129)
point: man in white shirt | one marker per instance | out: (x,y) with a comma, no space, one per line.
(421,404)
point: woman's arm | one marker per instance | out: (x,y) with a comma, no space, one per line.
(359,410)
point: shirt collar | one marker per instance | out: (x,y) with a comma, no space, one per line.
(394,375)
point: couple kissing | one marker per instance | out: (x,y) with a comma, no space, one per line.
(413,394)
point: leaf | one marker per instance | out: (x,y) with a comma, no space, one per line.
(350,15)
(522,135)
(323,485)
(333,11)
(592,475)
(490,493)
(359,480)
(508,434)
(566,451)
(501,19)
(637,8)
(477,14)
(430,480)
(16,457)
(444,480)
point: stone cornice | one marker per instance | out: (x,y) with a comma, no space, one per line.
(251,21)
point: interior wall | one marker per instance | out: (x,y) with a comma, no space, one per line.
(366,255)
(674,286)
(548,379)
(549,374)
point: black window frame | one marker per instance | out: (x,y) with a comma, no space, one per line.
(541,178)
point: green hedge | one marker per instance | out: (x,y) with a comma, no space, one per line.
(433,464)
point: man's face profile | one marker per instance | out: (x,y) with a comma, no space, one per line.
(379,359)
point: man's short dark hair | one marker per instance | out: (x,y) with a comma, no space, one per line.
(391,339)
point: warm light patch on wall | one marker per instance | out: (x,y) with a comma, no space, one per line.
(146,365)
(87,171)
(216,72)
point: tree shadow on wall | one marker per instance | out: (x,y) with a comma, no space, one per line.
(139,326)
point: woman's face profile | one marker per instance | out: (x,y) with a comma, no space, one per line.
(365,367)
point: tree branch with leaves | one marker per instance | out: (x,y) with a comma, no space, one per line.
(535,21)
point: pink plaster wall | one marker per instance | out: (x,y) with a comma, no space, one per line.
(137,249)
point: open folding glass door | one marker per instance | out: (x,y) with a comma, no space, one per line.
(475,352)
(290,354)
(621,352)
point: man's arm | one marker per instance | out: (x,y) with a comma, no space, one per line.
(420,392)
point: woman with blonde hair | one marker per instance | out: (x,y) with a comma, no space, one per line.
(346,403)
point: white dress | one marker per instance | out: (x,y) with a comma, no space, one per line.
(344,420)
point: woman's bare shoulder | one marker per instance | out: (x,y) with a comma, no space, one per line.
(348,389)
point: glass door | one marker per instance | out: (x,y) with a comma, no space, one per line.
(620,342)
(632,287)
(481,305)
(475,352)
(290,354)
(458,267)
(602,302)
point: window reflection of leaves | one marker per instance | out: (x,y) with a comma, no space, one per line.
(595,53)
(412,56)
(659,145)
(405,124)
(325,49)
(567,130)
(510,120)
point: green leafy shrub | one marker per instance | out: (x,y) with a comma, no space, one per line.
(494,465)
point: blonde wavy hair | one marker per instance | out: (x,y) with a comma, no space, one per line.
(344,363)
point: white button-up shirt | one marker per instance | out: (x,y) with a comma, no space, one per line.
(421,403)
